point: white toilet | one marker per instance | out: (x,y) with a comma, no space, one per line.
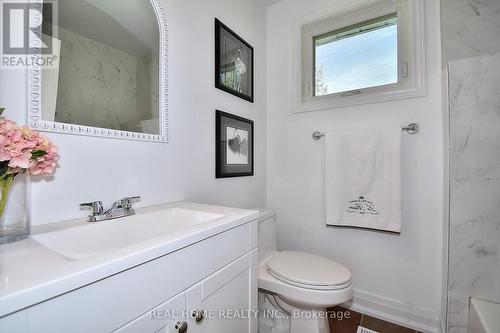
(299,284)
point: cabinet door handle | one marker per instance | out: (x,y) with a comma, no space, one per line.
(181,327)
(198,316)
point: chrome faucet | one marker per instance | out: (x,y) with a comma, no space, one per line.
(120,208)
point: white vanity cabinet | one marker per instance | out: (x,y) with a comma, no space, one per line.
(223,302)
(216,276)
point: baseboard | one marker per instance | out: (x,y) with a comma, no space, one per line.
(397,312)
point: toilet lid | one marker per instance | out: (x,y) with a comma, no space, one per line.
(308,269)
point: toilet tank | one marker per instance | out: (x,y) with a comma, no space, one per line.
(267,233)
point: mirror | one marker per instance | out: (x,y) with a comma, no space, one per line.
(108,78)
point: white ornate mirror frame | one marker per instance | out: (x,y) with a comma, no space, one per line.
(35,89)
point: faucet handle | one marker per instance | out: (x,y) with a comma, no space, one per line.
(127,202)
(96,206)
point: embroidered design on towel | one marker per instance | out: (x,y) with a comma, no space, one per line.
(362,206)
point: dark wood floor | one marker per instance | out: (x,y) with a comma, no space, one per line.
(347,321)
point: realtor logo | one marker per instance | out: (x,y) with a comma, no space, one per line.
(28,31)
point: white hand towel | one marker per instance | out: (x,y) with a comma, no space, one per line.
(363,179)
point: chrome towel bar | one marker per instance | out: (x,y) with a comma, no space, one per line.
(412,129)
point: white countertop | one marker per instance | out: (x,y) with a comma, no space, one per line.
(31,273)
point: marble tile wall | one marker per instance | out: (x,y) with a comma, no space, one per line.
(474,255)
(102,86)
(470,28)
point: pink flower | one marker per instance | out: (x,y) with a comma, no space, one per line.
(26,150)
(20,160)
(45,164)
(4,155)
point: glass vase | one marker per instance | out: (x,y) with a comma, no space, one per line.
(14,210)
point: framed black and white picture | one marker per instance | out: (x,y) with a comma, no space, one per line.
(233,146)
(233,63)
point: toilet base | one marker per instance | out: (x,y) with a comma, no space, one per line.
(304,320)
(313,325)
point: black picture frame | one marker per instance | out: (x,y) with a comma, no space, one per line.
(245,87)
(233,159)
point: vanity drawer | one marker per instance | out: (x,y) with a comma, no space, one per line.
(164,317)
(112,302)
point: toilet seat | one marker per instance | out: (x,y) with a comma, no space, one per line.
(308,271)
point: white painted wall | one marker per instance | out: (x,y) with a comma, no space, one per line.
(398,276)
(108,169)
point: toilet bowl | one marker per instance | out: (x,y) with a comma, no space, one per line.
(302,285)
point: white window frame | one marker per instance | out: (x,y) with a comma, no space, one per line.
(411,55)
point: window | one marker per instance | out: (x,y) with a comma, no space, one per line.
(357,57)
(363,55)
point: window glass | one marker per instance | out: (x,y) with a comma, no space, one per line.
(356,57)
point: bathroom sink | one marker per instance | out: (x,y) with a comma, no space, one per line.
(90,239)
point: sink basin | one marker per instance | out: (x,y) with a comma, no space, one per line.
(91,239)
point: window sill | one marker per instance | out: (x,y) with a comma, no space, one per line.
(366,97)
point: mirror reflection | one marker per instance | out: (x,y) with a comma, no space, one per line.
(108,73)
